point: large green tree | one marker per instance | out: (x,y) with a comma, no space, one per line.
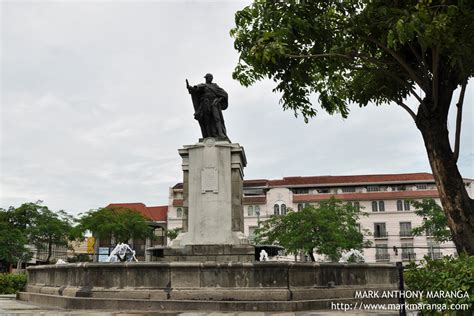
(37,225)
(120,222)
(327,229)
(356,51)
(51,229)
(12,243)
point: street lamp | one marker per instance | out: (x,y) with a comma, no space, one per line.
(431,254)
(257,211)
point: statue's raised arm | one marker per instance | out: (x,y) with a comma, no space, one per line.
(209,100)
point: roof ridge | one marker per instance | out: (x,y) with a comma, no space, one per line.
(363,175)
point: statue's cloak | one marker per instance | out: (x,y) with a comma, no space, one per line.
(224,99)
(218,91)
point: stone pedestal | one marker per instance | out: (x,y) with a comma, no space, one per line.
(212,201)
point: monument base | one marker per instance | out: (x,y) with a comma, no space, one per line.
(205,253)
(210,286)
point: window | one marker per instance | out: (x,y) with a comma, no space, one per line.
(381,206)
(179,212)
(348,189)
(358,227)
(405,229)
(373,188)
(379,230)
(407,251)
(283,209)
(399,205)
(434,250)
(400,188)
(250,210)
(422,186)
(357,205)
(276,209)
(375,206)
(257,210)
(324,190)
(407,205)
(301,191)
(381,252)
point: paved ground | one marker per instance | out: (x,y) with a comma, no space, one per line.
(10,306)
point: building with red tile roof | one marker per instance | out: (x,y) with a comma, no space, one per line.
(153,213)
(383,197)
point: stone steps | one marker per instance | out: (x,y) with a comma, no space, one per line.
(86,303)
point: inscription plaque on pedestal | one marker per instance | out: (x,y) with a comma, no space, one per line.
(209,180)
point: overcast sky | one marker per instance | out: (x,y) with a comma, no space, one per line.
(94,107)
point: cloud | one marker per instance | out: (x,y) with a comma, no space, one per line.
(94,107)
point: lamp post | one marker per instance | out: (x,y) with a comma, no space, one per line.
(257,211)
(431,254)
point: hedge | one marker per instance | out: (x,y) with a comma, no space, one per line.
(448,275)
(11,283)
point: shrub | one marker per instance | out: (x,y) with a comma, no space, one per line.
(81,257)
(11,283)
(448,274)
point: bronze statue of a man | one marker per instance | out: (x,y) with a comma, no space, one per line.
(209,100)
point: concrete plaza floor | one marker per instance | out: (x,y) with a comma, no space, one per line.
(10,306)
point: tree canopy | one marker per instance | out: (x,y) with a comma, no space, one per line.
(381,52)
(34,224)
(12,243)
(353,51)
(327,229)
(51,229)
(434,220)
(173,233)
(119,222)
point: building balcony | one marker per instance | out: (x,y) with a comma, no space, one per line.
(406,234)
(408,256)
(381,235)
(382,257)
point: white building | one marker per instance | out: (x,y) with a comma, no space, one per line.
(383,197)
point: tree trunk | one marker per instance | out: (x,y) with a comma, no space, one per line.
(457,205)
(50,250)
(311,255)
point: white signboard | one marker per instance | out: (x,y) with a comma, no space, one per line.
(103,254)
(209,180)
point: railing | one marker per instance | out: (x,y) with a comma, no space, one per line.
(408,256)
(406,233)
(383,235)
(382,256)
